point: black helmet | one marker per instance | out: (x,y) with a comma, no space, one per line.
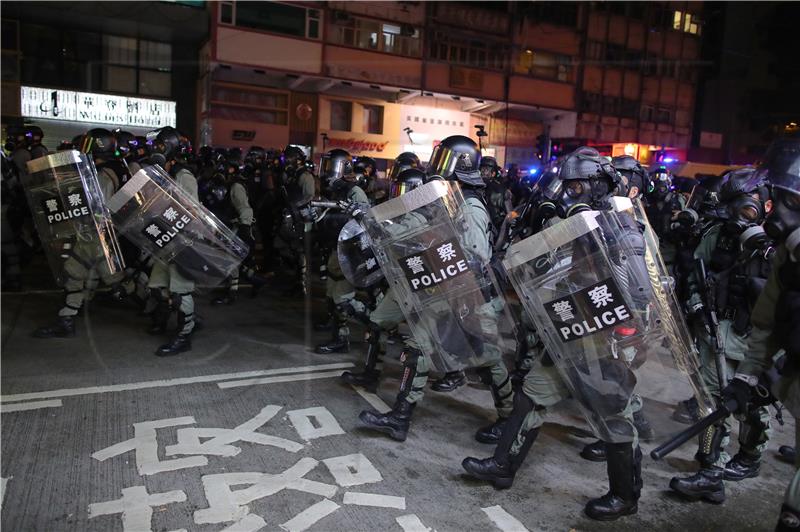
(65,145)
(633,171)
(166,144)
(743,210)
(98,142)
(456,158)
(293,156)
(660,183)
(580,181)
(235,156)
(404,161)
(124,145)
(335,165)
(34,134)
(408,179)
(256,153)
(782,166)
(360,165)
(489,167)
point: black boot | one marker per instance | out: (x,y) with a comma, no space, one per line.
(706,484)
(787,453)
(493,432)
(743,465)
(229,298)
(594,452)
(63,327)
(624,481)
(502,401)
(369,378)
(395,423)
(159,318)
(449,382)
(339,344)
(178,345)
(501,468)
(329,321)
(687,412)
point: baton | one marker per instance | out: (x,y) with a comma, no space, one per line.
(326,204)
(715,417)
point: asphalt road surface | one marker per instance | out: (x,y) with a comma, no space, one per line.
(252,431)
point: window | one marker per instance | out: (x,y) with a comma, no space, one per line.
(137,66)
(647,113)
(611,105)
(373,119)
(464,51)
(686,22)
(371,34)
(629,108)
(595,50)
(341,115)
(69,59)
(273,17)
(248,104)
(544,65)
(592,103)
(560,13)
(664,116)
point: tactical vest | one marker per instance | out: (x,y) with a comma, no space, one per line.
(740,277)
(660,214)
(496,202)
(119,168)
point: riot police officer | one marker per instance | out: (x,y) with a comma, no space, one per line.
(455,158)
(232,207)
(366,172)
(737,254)
(35,136)
(633,174)
(776,315)
(84,262)
(336,168)
(387,315)
(663,203)
(584,181)
(498,196)
(172,290)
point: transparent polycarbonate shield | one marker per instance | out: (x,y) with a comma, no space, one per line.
(599,308)
(69,211)
(161,218)
(437,264)
(356,257)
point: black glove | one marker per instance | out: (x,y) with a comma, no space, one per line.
(353,209)
(739,391)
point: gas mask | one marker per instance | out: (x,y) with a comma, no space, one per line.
(745,212)
(662,185)
(783,223)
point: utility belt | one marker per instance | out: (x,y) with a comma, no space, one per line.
(740,318)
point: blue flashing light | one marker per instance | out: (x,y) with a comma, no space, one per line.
(669,160)
(533,171)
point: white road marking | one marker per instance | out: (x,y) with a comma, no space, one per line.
(70,392)
(145,443)
(376,402)
(504,520)
(411,523)
(373,499)
(136,506)
(327,424)
(215,441)
(282,378)
(248,523)
(20,407)
(310,515)
(352,470)
(3,483)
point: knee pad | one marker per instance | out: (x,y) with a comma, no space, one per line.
(409,357)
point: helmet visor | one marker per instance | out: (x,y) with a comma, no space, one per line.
(443,161)
(331,168)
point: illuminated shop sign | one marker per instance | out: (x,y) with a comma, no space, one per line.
(356,145)
(38,102)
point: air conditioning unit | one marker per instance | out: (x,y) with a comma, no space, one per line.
(341,17)
(407,30)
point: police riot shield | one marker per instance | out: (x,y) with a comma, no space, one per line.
(591,286)
(356,257)
(69,211)
(162,219)
(438,267)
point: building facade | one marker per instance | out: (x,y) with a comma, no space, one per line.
(382,78)
(68,67)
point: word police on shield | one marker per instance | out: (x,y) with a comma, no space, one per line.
(56,211)
(588,311)
(163,229)
(437,264)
